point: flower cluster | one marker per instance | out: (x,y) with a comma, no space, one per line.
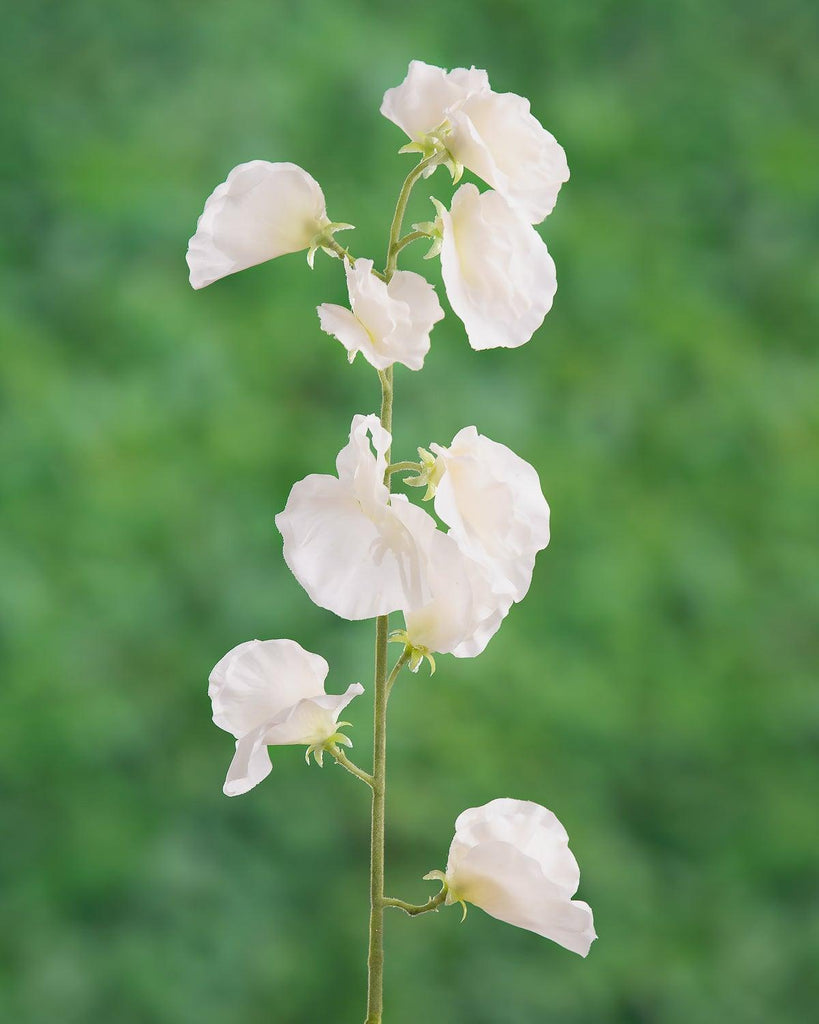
(362,551)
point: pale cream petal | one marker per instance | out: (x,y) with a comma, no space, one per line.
(422,102)
(252,683)
(509,885)
(312,720)
(250,764)
(499,277)
(261,211)
(493,503)
(342,324)
(497,138)
(528,826)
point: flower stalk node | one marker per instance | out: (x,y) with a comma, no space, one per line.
(430,471)
(324,240)
(414,654)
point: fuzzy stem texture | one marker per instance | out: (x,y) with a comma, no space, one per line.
(381,687)
(410,908)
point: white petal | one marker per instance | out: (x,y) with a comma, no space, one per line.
(388,323)
(359,469)
(409,341)
(500,279)
(509,885)
(497,138)
(261,211)
(312,720)
(250,764)
(493,503)
(256,680)
(352,552)
(528,826)
(342,324)
(423,100)
(465,612)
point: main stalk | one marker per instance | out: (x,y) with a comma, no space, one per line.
(375,962)
(375,959)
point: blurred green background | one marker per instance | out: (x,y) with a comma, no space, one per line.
(654,689)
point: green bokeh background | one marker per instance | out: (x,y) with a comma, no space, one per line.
(654,689)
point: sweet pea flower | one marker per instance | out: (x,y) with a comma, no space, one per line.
(493,504)
(261,211)
(389,322)
(357,551)
(499,277)
(493,134)
(271,693)
(466,609)
(511,858)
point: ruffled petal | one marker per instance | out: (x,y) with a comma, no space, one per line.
(510,886)
(388,323)
(422,102)
(531,828)
(500,279)
(493,503)
(253,682)
(311,721)
(341,323)
(464,612)
(354,564)
(261,211)
(497,138)
(250,764)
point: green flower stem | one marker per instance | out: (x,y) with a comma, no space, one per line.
(396,670)
(342,252)
(410,908)
(401,209)
(413,236)
(353,769)
(404,467)
(375,957)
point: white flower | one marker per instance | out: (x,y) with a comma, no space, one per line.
(263,210)
(355,551)
(465,611)
(511,858)
(271,693)
(389,323)
(499,277)
(492,134)
(493,504)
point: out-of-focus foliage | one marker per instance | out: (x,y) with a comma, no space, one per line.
(654,689)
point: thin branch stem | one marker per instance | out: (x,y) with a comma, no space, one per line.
(396,669)
(414,910)
(342,252)
(408,239)
(404,467)
(401,209)
(353,769)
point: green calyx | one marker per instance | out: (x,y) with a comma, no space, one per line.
(324,240)
(416,653)
(430,471)
(434,144)
(337,739)
(433,229)
(450,897)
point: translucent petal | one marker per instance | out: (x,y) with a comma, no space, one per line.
(255,681)
(261,211)
(499,277)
